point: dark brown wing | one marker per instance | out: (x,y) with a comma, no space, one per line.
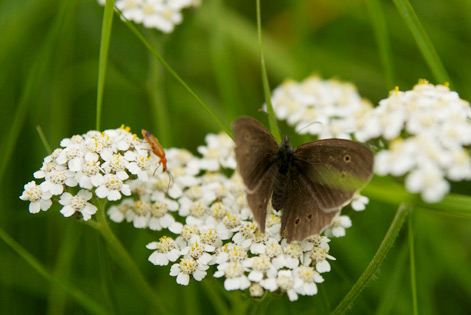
(324,176)
(337,169)
(255,150)
(258,199)
(302,216)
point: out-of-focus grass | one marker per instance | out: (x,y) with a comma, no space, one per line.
(49,66)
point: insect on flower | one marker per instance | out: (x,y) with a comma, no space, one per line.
(156,148)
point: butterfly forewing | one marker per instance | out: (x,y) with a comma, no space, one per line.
(337,168)
(255,150)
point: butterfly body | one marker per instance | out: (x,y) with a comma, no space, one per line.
(283,163)
(310,183)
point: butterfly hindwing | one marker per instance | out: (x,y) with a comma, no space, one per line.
(259,198)
(302,215)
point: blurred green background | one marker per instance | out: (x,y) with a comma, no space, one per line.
(48,77)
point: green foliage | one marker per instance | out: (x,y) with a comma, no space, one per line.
(49,60)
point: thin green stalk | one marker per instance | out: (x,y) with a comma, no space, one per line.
(104,47)
(413,283)
(43,139)
(126,262)
(376,262)
(216,299)
(266,86)
(226,78)
(31,86)
(57,299)
(85,301)
(386,190)
(423,41)
(176,76)
(157,93)
(378,21)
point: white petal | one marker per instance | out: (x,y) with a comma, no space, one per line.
(183,279)
(34,207)
(158,259)
(67,211)
(174,270)
(113,195)
(323,266)
(45,204)
(102,192)
(85,194)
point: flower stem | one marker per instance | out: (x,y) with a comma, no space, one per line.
(84,300)
(376,262)
(266,86)
(216,299)
(126,262)
(104,47)
(412,267)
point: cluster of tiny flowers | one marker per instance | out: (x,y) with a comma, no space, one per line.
(101,164)
(215,231)
(324,108)
(159,14)
(201,201)
(425,134)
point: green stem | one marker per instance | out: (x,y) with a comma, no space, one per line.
(43,139)
(175,75)
(412,267)
(104,47)
(382,39)
(376,262)
(126,262)
(216,299)
(85,301)
(423,41)
(266,86)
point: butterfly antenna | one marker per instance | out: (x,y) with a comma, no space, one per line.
(273,120)
(310,124)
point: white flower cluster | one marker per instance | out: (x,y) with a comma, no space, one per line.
(96,163)
(201,200)
(160,14)
(214,227)
(325,108)
(426,134)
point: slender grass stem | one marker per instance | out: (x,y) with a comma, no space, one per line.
(376,262)
(104,47)
(175,75)
(127,263)
(413,283)
(266,86)
(423,41)
(85,301)
(44,139)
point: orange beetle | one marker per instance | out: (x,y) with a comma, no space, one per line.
(156,147)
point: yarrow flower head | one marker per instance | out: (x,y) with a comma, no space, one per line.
(87,165)
(201,201)
(324,108)
(159,14)
(424,136)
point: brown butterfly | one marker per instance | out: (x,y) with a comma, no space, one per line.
(310,183)
(156,147)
